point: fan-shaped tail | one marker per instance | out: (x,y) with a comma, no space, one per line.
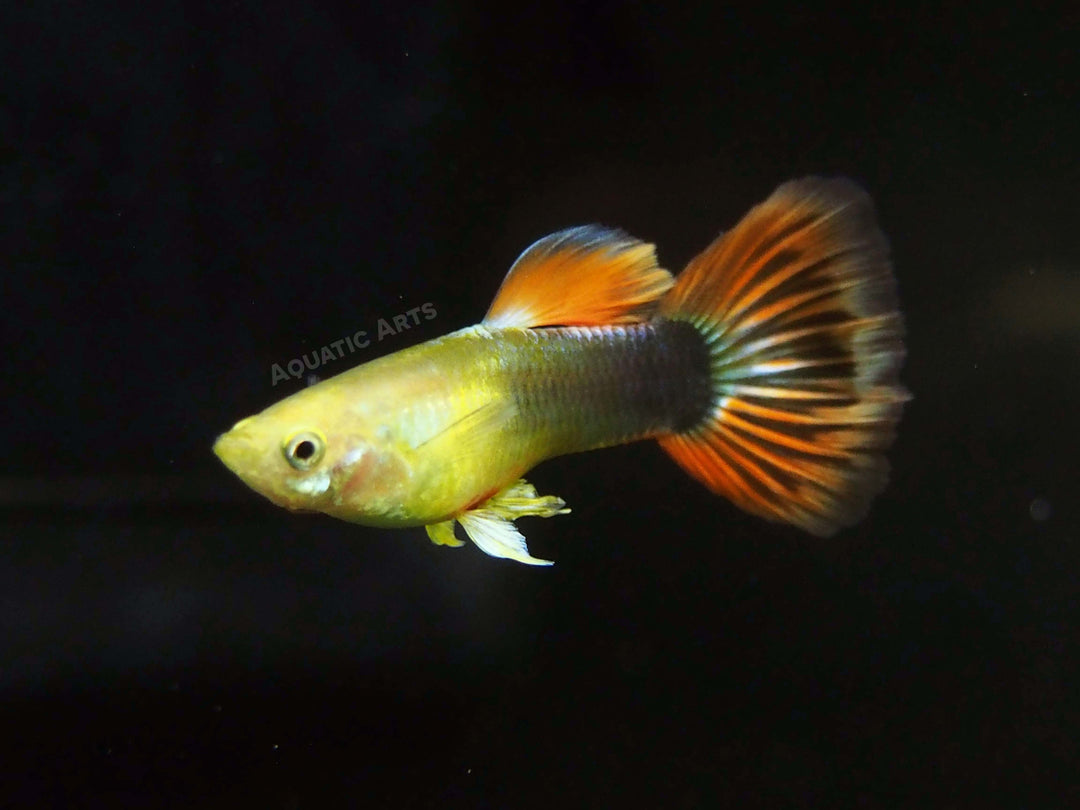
(798,307)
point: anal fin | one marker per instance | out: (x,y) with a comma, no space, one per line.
(491,524)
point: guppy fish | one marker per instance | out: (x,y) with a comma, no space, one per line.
(768,370)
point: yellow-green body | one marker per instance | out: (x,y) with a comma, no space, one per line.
(422,435)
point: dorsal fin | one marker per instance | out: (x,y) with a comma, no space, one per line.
(585,276)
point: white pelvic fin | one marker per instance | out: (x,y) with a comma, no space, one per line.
(498,537)
(491,525)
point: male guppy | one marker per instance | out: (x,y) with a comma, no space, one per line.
(768,370)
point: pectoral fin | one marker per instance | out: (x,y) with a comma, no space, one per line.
(491,525)
(461,441)
(442,534)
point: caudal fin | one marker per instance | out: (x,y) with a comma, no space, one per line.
(798,307)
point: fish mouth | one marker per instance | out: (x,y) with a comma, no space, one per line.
(222,448)
(231,445)
(238,452)
(235,451)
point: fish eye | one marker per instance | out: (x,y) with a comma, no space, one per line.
(304,450)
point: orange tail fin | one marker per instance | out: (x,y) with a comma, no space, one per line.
(798,307)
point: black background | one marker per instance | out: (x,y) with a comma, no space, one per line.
(192,192)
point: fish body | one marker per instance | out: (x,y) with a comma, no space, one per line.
(768,370)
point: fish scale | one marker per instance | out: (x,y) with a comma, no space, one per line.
(582,388)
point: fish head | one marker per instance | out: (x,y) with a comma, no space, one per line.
(304,463)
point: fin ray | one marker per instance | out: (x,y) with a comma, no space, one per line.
(584,276)
(797,305)
(498,537)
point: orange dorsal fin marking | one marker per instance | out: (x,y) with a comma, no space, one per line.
(585,276)
(798,306)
